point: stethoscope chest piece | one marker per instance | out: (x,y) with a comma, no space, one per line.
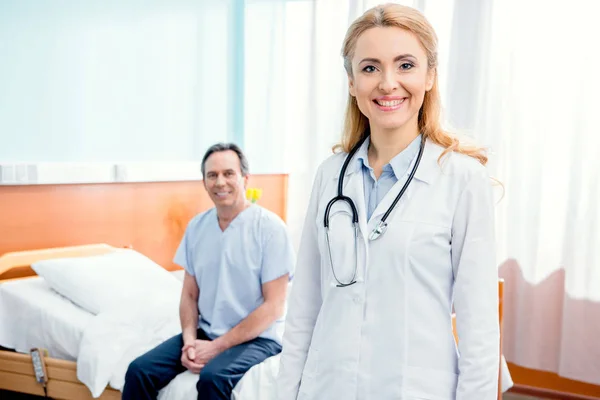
(378,230)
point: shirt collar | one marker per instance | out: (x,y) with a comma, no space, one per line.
(400,163)
(362,156)
(429,168)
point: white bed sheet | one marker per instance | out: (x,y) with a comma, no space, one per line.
(44,318)
(34,315)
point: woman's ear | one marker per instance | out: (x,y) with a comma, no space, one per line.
(430,79)
(351,87)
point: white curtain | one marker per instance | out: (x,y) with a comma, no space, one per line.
(537,107)
(521,77)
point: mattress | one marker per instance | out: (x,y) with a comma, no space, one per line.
(44,319)
(34,315)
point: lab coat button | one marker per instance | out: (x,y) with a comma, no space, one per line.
(357,300)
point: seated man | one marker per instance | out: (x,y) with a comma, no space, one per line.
(238,258)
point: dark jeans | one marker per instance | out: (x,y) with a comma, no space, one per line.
(152,371)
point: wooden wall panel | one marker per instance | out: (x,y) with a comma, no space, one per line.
(150,217)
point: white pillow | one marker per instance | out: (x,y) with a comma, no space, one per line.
(101,283)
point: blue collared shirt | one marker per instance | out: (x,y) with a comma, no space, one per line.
(396,169)
(231,266)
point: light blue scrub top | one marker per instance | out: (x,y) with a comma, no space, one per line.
(398,168)
(231,266)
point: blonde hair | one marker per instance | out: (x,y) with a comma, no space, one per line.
(356,123)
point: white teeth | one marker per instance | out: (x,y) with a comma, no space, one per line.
(222,194)
(392,103)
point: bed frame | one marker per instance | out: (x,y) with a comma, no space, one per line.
(16,369)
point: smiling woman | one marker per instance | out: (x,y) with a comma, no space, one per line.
(391,60)
(388,325)
(389,91)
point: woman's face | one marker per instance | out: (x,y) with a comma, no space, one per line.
(389,78)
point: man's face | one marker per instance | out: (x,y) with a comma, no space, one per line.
(223,179)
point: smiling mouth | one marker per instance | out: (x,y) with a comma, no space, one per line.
(389,105)
(221,194)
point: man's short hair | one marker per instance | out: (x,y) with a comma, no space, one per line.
(215,148)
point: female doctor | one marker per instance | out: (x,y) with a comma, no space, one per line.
(399,231)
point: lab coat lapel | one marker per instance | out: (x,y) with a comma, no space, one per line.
(424,175)
(387,201)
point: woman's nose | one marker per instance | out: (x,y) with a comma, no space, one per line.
(388,82)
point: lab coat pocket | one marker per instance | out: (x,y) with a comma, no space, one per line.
(430,384)
(309,375)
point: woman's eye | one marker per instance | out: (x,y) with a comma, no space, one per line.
(369,68)
(406,66)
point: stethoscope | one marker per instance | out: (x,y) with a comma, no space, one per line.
(381,227)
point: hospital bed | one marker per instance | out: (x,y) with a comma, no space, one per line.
(33,315)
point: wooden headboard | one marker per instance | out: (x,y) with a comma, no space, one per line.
(20,259)
(150,217)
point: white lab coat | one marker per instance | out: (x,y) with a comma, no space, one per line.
(389,336)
